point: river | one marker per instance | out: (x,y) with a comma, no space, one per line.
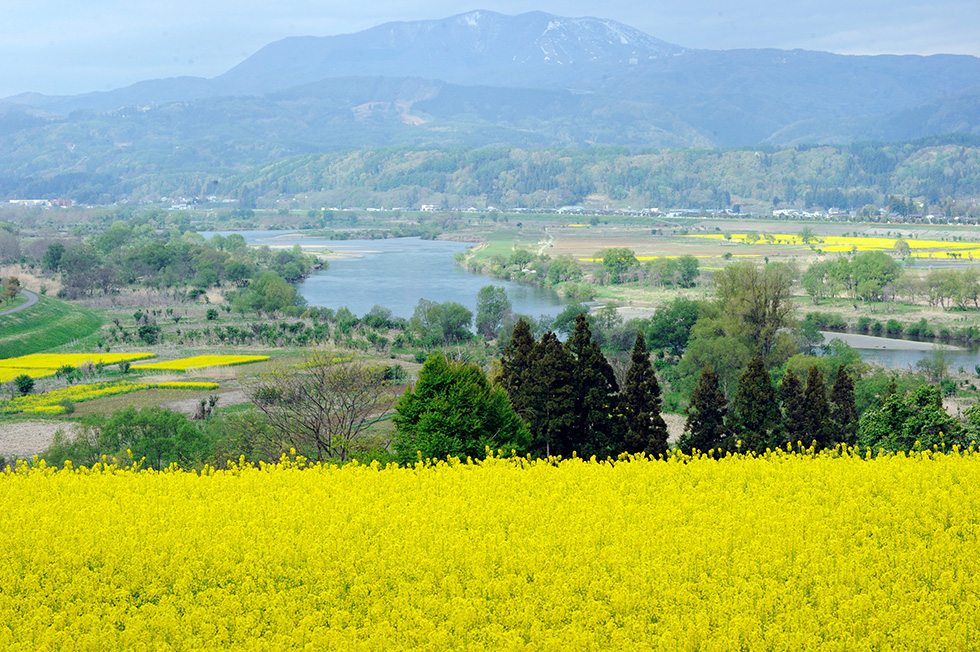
(896,353)
(396,273)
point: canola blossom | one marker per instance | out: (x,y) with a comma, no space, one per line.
(917,248)
(199,361)
(776,552)
(51,402)
(39,365)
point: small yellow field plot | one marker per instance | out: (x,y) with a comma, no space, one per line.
(39,365)
(831,244)
(199,361)
(52,402)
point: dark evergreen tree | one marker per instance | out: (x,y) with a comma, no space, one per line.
(550,408)
(646,429)
(843,408)
(754,418)
(516,368)
(705,427)
(818,426)
(600,430)
(794,409)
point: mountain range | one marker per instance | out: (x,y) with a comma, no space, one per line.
(483,78)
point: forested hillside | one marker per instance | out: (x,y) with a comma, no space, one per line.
(943,174)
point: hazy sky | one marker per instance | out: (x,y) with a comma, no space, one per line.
(72,46)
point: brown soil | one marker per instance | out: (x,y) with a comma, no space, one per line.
(22,439)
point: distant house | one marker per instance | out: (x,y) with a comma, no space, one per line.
(430,208)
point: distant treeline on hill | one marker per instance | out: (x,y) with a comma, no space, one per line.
(941,174)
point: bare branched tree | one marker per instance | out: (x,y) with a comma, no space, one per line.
(323,404)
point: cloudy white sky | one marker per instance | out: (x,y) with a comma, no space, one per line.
(68,46)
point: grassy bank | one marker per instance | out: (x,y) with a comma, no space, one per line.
(49,324)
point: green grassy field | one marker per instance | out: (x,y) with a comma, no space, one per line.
(49,324)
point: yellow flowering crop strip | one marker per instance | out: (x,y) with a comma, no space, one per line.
(39,365)
(199,361)
(59,360)
(9,373)
(781,552)
(47,402)
(936,248)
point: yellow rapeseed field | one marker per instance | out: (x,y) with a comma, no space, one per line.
(199,361)
(918,248)
(51,402)
(781,552)
(39,365)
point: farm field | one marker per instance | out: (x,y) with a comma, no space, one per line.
(780,552)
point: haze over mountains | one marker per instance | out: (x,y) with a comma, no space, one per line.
(483,78)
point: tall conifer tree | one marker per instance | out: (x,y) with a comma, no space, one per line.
(705,427)
(646,429)
(843,409)
(516,368)
(600,427)
(794,409)
(754,417)
(550,390)
(818,426)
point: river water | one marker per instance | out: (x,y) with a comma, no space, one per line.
(896,353)
(396,273)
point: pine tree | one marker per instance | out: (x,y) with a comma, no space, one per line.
(794,409)
(754,418)
(706,411)
(516,368)
(600,429)
(646,429)
(550,408)
(843,409)
(818,426)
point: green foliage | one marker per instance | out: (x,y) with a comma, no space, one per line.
(492,306)
(441,323)
(24,384)
(600,430)
(843,406)
(754,417)
(455,411)
(793,407)
(641,405)
(705,427)
(269,294)
(670,325)
(756,305)
(159,436)
(618,262)
(818,427)
(682,272)
(911,421)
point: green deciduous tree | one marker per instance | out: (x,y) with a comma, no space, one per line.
(455,411)
(758,304)
(904,419)
(618,262)
(492,306)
